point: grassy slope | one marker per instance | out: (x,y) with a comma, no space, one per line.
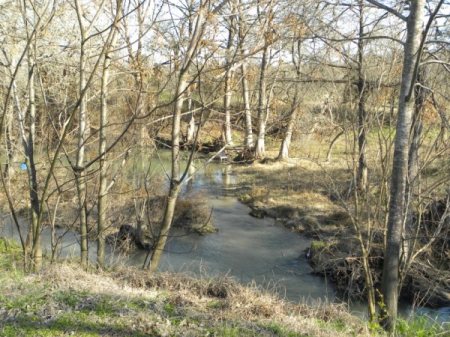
(64,300)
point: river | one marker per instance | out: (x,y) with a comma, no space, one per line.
(245,248)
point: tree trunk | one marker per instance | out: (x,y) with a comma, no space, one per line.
(101,198)
(36,252)
(285,144)
(32,249)
(141,130)
(191,127)
(245,87)
(27,247)
(10,152)
(80,169)
(247,110)
(228,92)
(165,229)
(80,172)
(174,181)
(368,279)
(260,149)
(412,187)
(102,193)
(390,280)
(227,105)
(362,171)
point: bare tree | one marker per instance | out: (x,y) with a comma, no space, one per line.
(27,120)
(293,113)
(242,33)
(38,18)
(391,266)
(103,186)
(361,176)
(82,135)
(175,180)
(228,136)
(265,15)
(204,14)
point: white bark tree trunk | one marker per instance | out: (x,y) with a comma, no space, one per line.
(191,126)
(79,173)
(103,186)
(228,79)
(390,280)
(285,144)
(242,31)
(247,110)
(260,148)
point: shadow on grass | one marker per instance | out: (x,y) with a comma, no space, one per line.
(74,313)
(67,326)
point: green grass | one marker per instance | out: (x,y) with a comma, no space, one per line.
(419,327)
(169,308)
(337,325)
(10,255)
(271,329)
(46,313)
(70,298)
(217,304)
(229,332)
(68,324)
(278,330)
(28,302)
(318,245)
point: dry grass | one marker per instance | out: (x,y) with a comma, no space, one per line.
(298,193)
(64,299)
(316,198)
(193,213)
(168,304)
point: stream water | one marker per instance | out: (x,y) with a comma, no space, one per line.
(245,248)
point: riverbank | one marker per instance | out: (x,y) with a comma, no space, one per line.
(64,300)
(314,199)
(307,196)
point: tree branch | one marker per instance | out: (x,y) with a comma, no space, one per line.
(388,9)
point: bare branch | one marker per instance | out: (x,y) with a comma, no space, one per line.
(388,9)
